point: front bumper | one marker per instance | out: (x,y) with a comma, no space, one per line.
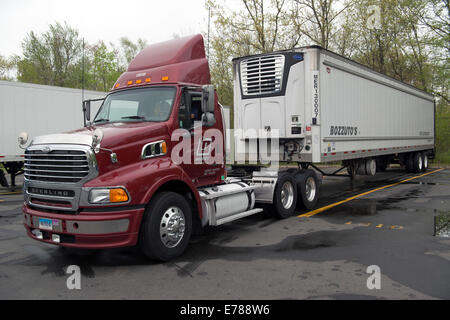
(90,230)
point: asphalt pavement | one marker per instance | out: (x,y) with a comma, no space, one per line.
(385,221)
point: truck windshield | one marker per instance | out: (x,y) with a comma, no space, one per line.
(144,104)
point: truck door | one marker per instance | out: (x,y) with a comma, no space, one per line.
(190,118)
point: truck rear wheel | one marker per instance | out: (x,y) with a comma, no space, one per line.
(417,162)
(285,196)
(166,227)
(409,162)
(308,184)
(424,162)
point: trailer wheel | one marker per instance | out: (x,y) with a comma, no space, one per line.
(285,196)
(409,162)
(308,184)
(166,227)
(352,169)
(382,164)
(417,162)
(3,181)
(424,162)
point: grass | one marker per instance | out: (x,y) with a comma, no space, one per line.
(443,135)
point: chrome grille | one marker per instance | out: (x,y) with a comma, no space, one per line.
(262,75)
(67,166)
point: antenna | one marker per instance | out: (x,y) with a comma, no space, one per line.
(82,74)
(209,25)
(82,87)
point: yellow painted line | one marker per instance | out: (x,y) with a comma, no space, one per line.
(348,222)
(1,200)
(379,226)
(364,224)
(314,212)
(396,227)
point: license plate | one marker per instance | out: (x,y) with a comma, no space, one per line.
(46,224)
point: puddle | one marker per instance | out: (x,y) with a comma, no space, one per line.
(442,225)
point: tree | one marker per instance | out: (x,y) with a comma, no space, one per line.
(58,57)
(6,68)
(258,26)
(130,49)
(103,67)
(51,58)
(436,18)
(318,19)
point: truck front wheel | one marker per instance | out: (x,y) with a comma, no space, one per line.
(166,227)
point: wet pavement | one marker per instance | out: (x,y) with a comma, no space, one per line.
(320,257)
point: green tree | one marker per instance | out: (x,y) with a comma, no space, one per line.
(129,49)
(51,58)
(318,20)
(436,18)
(102,67)
(258,26)
(6,68)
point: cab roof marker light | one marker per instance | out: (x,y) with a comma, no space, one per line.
(138,81)
(165,78)
(117,85)
(148,80)
(130,82)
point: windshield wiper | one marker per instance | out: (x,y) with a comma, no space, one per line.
(134,117)
(101,120)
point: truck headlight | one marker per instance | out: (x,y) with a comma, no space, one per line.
(109,195)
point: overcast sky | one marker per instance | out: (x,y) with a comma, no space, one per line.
(107,20)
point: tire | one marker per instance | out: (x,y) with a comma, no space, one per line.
(165,208)
(370,166)
(424,162)
(352,169)
(308,185)
(417,162)
(382,164)
(285,196)
(409,162)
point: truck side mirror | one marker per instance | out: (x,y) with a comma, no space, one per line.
(87,111)
(208,98)
(208,119)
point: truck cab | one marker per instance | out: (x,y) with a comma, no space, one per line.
(90,187)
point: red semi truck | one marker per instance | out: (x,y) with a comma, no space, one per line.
(149,169)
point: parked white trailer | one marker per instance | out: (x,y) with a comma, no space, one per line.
(38,110)
(323,107)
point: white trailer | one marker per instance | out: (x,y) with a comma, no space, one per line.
(38,110)
(310,105)
(326,108)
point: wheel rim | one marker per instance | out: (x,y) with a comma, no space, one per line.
(172,227)
(420,163)
(287,195)
(425,162)
(310,189)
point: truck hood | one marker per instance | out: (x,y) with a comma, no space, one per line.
(115,135)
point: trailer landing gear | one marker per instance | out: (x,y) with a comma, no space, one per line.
(14,169)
